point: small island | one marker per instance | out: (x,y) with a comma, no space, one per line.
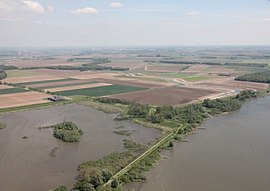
(2,125)
(67,131)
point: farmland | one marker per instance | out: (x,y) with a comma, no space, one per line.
(12,91)
(22,99)
(168,86)
(180,76)
(165,96)
(100,91)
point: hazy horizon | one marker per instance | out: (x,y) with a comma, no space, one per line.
(122,23)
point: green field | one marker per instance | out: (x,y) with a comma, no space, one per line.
(196,78)
(101,91)
(46,81)
(12,91)
(64,85)
(176,75)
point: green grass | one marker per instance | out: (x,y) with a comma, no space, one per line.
(145,78)
(170,123)
(45,81)
(12,91)
(101,91)
(176,75)
(64,85)
(106,108)
(196,78)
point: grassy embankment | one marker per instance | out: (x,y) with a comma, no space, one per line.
(34,106)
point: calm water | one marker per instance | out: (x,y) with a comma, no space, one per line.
(232,154)
(42,162)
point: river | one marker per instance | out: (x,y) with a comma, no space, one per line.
(232,154)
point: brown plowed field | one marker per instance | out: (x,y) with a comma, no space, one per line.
(22,99)
(78,87)
(91,75)
(232,84)
(165,96)
(31,79)
(60,73)
(41,63)
(129,82)
(56,83)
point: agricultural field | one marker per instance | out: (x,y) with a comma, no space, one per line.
(31,79)
(22,99)
(165,96)
(43,82)
(12,90)
(164,68)
(155,76)
(78,87)
(101,91)
(229,83)
(21,73)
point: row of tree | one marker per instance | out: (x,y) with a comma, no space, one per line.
(263,77)
(3,74)
(229,104)
(84,67)
(190,114)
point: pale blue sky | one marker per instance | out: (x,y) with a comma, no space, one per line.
(134,22)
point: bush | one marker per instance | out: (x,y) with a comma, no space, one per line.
(61,188)
(67,132)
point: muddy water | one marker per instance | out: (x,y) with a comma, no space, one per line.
(42,162)
(232,154)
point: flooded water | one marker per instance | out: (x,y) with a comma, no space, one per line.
(41,162)
(232,154)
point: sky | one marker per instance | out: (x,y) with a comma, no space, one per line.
(88,23)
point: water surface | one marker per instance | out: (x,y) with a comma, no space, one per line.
(232,154)
(42,162)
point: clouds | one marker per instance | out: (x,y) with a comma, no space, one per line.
(23,7)
(193,13)
(86,10)
(116,5)
(34,6)
(50,8)
(91,10)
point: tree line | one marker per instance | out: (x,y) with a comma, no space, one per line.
(263,77)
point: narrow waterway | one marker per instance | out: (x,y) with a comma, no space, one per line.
(232,154)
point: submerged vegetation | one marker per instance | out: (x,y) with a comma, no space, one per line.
(66,131)
(123,132)
(61,188)
(2,125)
